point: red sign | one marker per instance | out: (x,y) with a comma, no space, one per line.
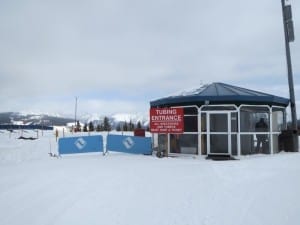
(166,120)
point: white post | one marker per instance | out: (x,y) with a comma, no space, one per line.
(229,132)
(239,132)
(208,132)
(199,133)
(271,132)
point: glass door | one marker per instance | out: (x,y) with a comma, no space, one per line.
(218,133)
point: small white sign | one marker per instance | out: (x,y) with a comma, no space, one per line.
(128,142)
(80,143)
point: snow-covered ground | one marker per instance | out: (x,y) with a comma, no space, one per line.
(120,189)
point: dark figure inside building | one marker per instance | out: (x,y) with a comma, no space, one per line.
(262,139)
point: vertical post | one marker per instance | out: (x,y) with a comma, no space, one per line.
(239,132)
(290,75)
(42,127)
(199,132)
(56,135)
(75,124)
(208,133)
(229,133)
(168,146)
(271,131)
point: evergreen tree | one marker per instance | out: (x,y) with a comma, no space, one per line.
(91,126)
(106,124)
(125,126)
(118,128)
(139,125)
(99,128)
(85,128)
(78,127)
(131,126)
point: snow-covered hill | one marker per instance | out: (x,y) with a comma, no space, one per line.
(17,118)
(59,120)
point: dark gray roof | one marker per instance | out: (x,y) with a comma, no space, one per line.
(220,93)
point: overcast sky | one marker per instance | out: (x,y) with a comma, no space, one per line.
(117,55)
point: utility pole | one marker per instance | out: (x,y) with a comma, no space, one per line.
(289,37)
(75,124)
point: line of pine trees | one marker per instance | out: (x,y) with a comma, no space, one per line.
(106,126)
(124,126)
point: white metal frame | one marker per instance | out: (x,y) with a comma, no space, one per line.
(253,133)
(238,133)
(197,133)
(270,133)
(229,131)
(209,132)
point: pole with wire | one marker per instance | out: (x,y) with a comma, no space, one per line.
(75,124)
(289,37)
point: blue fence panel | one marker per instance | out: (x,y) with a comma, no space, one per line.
(24,127)
(81,144)
(129,144)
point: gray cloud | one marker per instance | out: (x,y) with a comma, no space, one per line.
(64,48)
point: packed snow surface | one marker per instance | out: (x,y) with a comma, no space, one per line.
(119,189)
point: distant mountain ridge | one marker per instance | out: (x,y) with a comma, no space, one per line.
(17,118)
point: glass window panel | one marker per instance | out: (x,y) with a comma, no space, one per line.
(254,144)
(203,122)
(219,143)
(262,125)
(204,144)
(184,143)
(262,144)
(174,143)
(218,123)
(247,144)
(276,147)
(217,108)
(234,122)
(247,122)
(190,111)
(190,123)
(277,120)
(162,142)
(234,144)
(251,115)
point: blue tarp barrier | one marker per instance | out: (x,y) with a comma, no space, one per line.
(24,127)
(81,144)
(129,144)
